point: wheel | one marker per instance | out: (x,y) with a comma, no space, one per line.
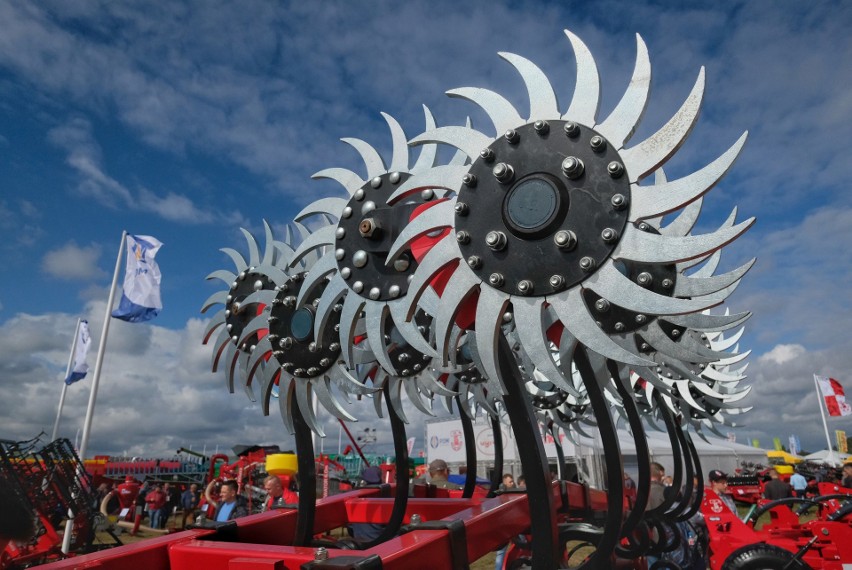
(763,557)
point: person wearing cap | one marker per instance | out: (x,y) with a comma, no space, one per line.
(719,485)
(799,484)
(439,472)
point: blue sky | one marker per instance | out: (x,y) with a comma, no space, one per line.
(189,120)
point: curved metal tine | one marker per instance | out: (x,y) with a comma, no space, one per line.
(411,390)
(709,323)
(375,320)
(543,104)
(726,343)
(409,329)
(254,250)
(371,157)
(217,298)
(698,476)
(466,139)
(332,293)
(323,392)
(332,206)
(268,377)
(529,314)
(620,125)
(685,221)
(446,177)
(346,178)
(489,315)
(501,112)
(657,337)
(683,502)
(470,454)
(586,100)
(698,286)
(348,383)
(304,400)
(484,400)
(218,320)
(377,403)
(307,472)
(349,316)
(654,200)
(394,396)
(236,257)
(612,458)
(460,286)
(652,152)
(435,217)
(497,472)
(399,154)
(320,238)
(287,403)
(428,152)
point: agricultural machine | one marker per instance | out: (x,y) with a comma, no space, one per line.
(545,274)
(50,480)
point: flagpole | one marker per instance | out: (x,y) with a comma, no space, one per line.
(820,399)
(64,385)
(93,394)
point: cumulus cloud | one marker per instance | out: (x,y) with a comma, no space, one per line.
(73,262)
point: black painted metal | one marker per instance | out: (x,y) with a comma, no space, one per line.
(699,488)
(561,468)
(545,547)
(684,502)
(497,473)
(637,544)
(612,461)
(671,426)
(400,448)
(469,451)
(307,477)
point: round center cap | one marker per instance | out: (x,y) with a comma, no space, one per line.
(302,324)
(532,204)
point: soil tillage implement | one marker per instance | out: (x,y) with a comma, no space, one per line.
(551,220)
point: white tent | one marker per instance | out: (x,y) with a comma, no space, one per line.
(833,458)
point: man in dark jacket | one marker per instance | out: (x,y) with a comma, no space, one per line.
(189,501)
(775,488)
(231,505)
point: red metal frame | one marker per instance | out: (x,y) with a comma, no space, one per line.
(262,540)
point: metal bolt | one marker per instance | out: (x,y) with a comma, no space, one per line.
(236,306)
(644,279)
(393,291)
(417,367)
(503,172)
(415,519)
(609,235)
(368,207)
(598,143)
(667,283)
(602,305)
(339,254)
(512,136)
(358,286)
(619,201)
(565,239)
(573,167)
(474,261)
(242,276)
(405,372)
(347,212)
(258,285)
(313,371)
(587,263)
(495,240)
(462,237)
(229,327)
(289,301)
(360,258)
(508,317)
(557,281)
(496,279)
(286,343)
(525,287)
(675,333)
(376,182)
(461,209)
(359,194)
(404,357)
(338,307)
(427,194)
(619,326)
(487,154)
(541,127)
(615,169)
(469,180)
(340,233)
(572,129)
(334,347)
(375,292)
(368,227)
(644,227)
(402,263)
(640,319)
(321,554)
(313,347)
(345,273)
(394,177)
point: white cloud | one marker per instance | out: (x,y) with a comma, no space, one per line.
(74,263)
(783,353)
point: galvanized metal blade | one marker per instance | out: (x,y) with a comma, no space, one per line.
(620,125)
(696,287)
(371,157)
(346,178)
(438,216)
(399,156)
(586,100)
(467,140)
(428,152)
(330,206)
(501,112)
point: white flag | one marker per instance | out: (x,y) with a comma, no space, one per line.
(835,399)
(140,300)
(79,367)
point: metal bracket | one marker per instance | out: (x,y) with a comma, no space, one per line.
(372,562)
(458,541)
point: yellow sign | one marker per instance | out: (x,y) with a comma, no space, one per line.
(841,441)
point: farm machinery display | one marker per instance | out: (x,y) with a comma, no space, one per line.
(546,274)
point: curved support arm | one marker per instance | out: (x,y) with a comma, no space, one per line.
(469,450)
(307,477)
(683,504)
(671,428)
(497,474)
(400,448)
(699,475)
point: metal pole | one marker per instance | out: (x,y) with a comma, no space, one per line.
(64,385)
(824,421)
(93,394)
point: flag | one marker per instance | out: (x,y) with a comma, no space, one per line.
(755,442)
(835,399)
(79,367)
(140,300)
(776,441)
(793,441)
(840,435)
(410,444)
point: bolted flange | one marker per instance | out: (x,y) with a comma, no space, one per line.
(496,240)
(573,167)
(504,173)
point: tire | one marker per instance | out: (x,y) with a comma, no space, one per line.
(762,557)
